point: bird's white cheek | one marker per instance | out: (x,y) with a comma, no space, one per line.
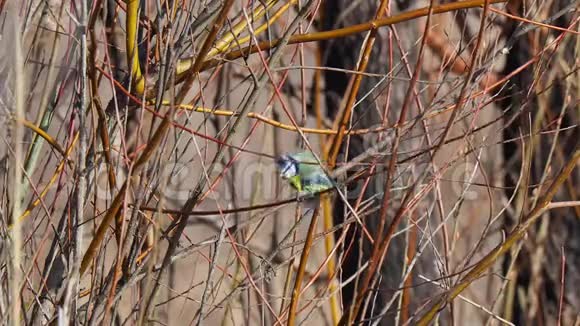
(290,172)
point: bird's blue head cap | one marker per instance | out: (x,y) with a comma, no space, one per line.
(287,165)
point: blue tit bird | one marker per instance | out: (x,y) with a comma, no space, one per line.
(304,173)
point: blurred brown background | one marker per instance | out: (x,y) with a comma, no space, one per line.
(500,97)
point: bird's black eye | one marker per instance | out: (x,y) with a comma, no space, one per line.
(281,161)
(287,166)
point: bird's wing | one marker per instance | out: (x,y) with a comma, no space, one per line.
(316,183)
(308,165)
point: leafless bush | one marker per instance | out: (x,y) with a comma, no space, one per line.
(140,184)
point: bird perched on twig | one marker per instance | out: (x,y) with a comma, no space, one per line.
(304,173)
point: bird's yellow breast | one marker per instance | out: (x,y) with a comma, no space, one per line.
(295,182)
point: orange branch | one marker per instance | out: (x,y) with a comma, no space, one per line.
(347,31)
